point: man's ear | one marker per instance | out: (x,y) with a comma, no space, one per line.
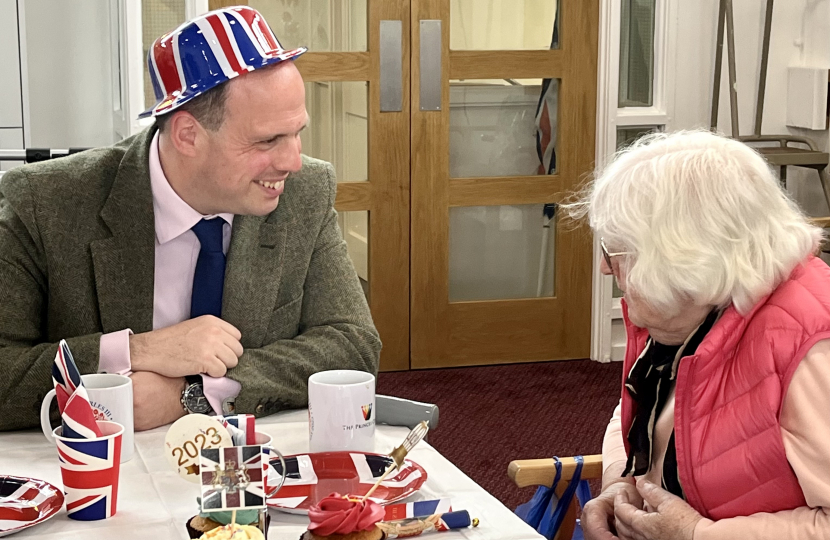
(186,133)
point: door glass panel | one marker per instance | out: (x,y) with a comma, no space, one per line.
(494,127)
(504,24)
(637,53)
(354,227)
(499,252)
(339,127)
(157,17)
(320,25)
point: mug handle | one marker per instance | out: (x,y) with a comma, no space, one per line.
(273,492)
(45,423)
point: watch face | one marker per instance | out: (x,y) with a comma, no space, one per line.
(195,400)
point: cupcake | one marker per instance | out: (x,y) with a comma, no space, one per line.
(339,517)
(208,521)
(233,532)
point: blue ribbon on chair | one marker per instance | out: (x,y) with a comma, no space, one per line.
(533,511)
(545,511)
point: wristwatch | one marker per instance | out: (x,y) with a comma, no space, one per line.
(193,396)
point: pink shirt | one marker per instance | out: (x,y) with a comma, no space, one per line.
(177,249)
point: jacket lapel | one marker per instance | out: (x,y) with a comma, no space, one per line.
(124,263)
(254,272)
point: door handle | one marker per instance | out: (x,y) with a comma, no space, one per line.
(430,63)
(391,69)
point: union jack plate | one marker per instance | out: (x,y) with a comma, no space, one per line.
(25,502)
(310,477)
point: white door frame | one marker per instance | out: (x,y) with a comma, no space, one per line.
(604,308)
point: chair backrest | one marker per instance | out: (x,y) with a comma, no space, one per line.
(394,411)
(541,472)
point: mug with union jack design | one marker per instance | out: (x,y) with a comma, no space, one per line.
(208,51)
(90,470)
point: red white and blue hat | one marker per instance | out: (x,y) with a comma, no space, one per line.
(209,50)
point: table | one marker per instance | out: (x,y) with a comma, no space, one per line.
(154,503)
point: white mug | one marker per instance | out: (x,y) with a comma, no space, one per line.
(341,411)
(111,397)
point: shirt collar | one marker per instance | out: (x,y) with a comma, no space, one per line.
(173,217)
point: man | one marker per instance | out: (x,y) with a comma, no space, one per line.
(202,256)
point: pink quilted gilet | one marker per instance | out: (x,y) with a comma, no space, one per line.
(730,455)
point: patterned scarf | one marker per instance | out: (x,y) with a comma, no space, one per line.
(650,383)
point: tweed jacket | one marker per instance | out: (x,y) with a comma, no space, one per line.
(77,248)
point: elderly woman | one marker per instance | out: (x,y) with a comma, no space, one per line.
(723,429)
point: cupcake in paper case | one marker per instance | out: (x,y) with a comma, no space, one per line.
(234,532)
(205,522)
(339,517)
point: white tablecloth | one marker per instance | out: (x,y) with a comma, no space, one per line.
(154,503)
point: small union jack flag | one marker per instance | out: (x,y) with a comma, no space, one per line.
(431,507)
(242,428)
(90,476)
(232,478)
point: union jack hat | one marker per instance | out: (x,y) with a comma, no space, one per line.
(207,51)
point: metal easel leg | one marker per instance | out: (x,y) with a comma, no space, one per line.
(730,51)
(762,77)
(713,122)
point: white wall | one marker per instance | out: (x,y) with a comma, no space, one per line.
(800,37)
(70,96)
(11,104)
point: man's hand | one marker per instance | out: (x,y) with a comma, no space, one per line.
(598,514)
(672,518)
(205,344)
(156,399)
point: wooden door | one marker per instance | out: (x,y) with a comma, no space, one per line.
(441,203)
(479,244)
(369,148)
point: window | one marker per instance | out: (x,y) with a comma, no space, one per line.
(637,53)
(627,135)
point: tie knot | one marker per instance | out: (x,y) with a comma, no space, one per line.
(209,233)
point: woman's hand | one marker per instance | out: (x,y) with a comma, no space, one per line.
(672,518)
(598,514)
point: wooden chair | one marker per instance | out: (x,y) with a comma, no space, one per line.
(541,472)
(784,154)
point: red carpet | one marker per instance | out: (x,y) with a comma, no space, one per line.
(493,415)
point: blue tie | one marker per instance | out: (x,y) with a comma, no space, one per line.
(209,278)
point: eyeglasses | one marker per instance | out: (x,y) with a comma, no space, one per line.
(607,254)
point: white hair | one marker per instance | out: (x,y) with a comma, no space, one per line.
(703,217)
